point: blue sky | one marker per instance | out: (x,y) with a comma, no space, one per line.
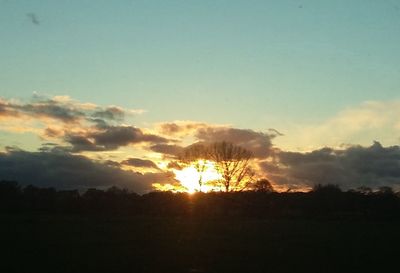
(252,64)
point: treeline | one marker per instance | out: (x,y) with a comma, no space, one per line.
(323,202)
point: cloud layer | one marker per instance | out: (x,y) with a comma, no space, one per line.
(67,171)
(355,166)
(86,145)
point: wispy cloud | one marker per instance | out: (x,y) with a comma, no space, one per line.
(360,124)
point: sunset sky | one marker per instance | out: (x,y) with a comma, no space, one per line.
(96,93)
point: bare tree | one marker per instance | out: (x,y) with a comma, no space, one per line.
(232,162)
(196,155)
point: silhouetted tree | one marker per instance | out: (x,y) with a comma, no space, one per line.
(324,201)
(10,193)
(196,155)
(262,185)
(233,163)
(326,189)
(9,189)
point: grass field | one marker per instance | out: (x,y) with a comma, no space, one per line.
(76,243)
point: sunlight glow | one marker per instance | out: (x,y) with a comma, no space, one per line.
(169,187)
(189,177)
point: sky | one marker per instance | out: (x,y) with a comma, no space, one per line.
(324,74)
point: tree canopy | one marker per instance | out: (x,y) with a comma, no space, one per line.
(231,161)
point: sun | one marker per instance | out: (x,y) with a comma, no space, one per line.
(189,177)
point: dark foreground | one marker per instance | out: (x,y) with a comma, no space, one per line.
(38,242)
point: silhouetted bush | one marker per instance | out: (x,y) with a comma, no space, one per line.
(323,202)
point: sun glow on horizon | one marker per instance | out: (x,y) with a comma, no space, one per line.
(189,177)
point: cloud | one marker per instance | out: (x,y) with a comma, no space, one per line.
(85,126)
(259,143)
(115,136)
(51,109)
(66,171)
(6,109)
(81,143)
(40,108)
(62,108)
(110,113)
(88,127)
(53,132)
(180,128)
(70,127)
(355,166)
(112,163)
(141,163)
(358,124)
(256,142)
(110,138)
(167,149)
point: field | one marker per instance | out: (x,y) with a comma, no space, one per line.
(79,243)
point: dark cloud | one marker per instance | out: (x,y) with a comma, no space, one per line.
(81,143)
(110,113)
(53,110)
(53,148)
(66,171)
(356,166)
(167,149)
(48,108)
(99,123)
(110,138)
(116,136)
(141,163)
(256,142)
(7,110)
(86,127)
(64,109)
(3,110)
(112,163)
